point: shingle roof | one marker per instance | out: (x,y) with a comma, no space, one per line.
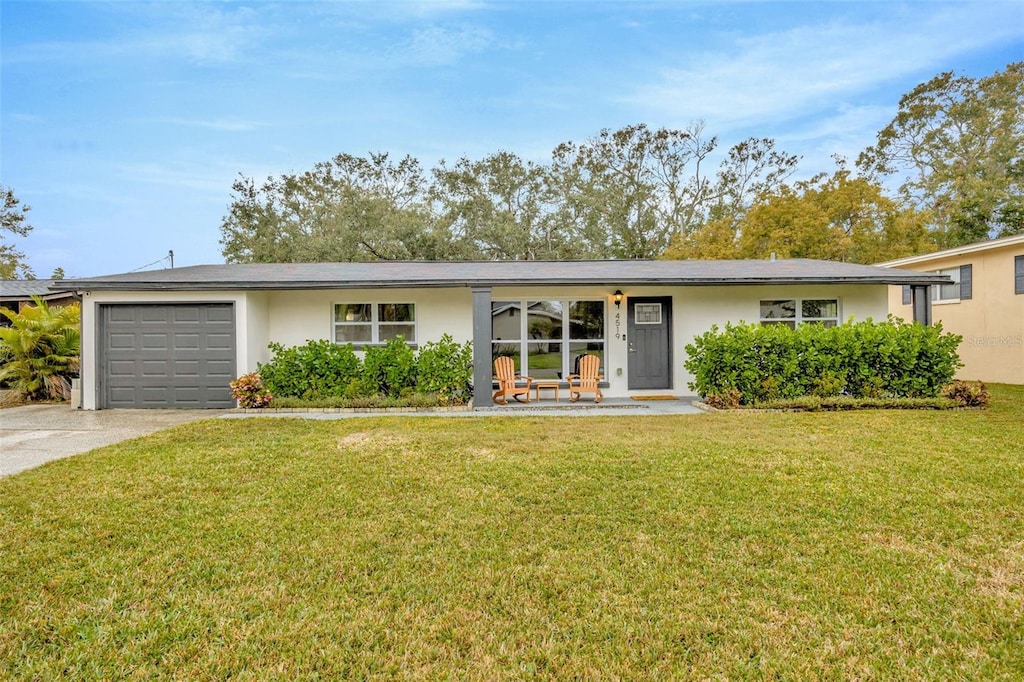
(24,289)
(394,274)
(926,258)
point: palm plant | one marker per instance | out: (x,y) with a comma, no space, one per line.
(39,351)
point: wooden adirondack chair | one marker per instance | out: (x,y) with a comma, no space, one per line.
(587,380)
(505,375)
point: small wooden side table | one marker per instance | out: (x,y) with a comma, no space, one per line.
(537,385)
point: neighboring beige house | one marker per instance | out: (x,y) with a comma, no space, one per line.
(985,304)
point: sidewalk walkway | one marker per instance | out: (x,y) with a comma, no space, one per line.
(31,435)
(535,408)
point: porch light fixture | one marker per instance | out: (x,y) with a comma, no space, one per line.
(617,297)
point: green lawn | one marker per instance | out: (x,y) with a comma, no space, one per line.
(866,545)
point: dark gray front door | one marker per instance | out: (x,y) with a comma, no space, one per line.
(649,339)
(180,355)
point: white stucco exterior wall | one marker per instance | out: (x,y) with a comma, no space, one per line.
(287,317)
(294,317)
(694,310)
(257,330)
(300,316)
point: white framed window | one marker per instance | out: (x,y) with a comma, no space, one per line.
(947,293)
(794,311)
(368,324)
(545,338)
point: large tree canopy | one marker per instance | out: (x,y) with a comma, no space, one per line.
(13,219)
(620,194)
(833,217)
(347,209)
(957,146)
(498,208)
(634,190)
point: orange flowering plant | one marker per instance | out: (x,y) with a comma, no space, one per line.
(249,391)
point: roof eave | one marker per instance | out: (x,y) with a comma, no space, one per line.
(60,293)
(895,280)
(955,252)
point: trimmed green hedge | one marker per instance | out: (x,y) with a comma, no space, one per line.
(319,369)
(752,363)
(324,371)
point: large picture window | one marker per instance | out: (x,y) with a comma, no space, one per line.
(794,311)
(374,323)
(545,338)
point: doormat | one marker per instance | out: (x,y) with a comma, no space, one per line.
(654,397)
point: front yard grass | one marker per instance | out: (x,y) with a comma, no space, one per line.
(866,545)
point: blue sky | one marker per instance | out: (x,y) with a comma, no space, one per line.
(125,123)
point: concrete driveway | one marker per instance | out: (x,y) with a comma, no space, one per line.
(31,435)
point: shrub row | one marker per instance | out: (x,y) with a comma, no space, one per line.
(324,371)
(750,363)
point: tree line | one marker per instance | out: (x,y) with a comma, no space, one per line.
(945,171)
(621,194)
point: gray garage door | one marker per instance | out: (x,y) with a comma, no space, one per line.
(180,355)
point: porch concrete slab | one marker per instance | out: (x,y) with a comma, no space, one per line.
(535,408)
(31,435)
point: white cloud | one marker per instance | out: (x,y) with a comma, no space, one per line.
(214,182)
(778,76)
(844,120)
(77,191)
(845,132)
(350,13)
(197,33)
(226,125)
(201,33)
(434,46)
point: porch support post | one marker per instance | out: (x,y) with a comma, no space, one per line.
(921,296)
(482,373)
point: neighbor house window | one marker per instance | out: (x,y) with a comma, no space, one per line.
(1018,274)
(545,338)
(947,292)
(794,311)
(374,323)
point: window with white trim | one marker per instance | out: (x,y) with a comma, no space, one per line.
(794,311)
(367,324)
(947,292)
(547,340)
